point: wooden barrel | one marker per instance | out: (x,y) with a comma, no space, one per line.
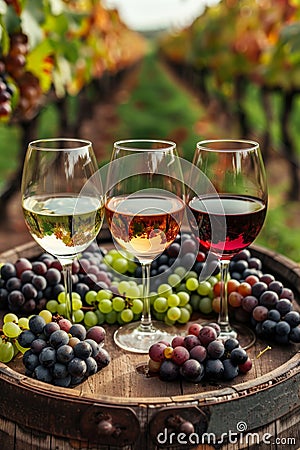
(259,410)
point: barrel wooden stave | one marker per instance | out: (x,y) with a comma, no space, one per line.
(267,398)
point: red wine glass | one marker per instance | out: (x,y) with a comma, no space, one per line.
(230,219)
(144,210)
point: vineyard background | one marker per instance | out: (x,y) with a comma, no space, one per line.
(73,68)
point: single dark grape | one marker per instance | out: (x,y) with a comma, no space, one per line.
(63,382)
(294,335)
(39,267)
(26,338)
(102,358)
(50,327)
(276,286)
(77,367)
(268,328)
(191,341)
(269,299)
(59,370)
(47,357)
(37,345)
(53,276)
(30,360)
(13,284)
(230,344)
(292,318)
(215,349)
(15,299)
(58,338)
(274,314)
(214,369)
(207,334)
(39,282)
(230,370)
(91,365)
(42,373)
(169,370)
(282,328)
(82,350)
(284,306)
(36,324)
(180,355)
(78,330)
(192,370)
(65,354)
(96,333)
(29,291)
(238,356)
(7,271)
(258,289)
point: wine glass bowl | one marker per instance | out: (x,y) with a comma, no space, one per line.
(230,219)
(62,201)
(144,210)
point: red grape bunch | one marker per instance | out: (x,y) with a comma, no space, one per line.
(199,355)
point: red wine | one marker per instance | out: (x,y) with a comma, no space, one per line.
(243,215)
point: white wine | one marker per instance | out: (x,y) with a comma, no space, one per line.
(63,225)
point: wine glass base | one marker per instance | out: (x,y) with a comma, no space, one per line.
(242,333)
(136,339)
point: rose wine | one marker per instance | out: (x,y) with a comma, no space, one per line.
(244,217)
(144,225)
(63,225)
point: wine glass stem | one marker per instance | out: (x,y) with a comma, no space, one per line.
(146,315)
(67,274)
(223,316)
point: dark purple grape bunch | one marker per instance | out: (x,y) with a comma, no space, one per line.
(60,353)
(269,304)
(200,355)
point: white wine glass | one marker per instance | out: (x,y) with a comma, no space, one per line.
(62,200)
(230,219)
(144,210)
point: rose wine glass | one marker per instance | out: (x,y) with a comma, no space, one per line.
(144,210)
(230,219)
(62,202)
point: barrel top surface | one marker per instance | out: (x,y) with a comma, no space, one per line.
(126,380)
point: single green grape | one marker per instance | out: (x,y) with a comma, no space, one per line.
(192,284)
(104,294)
(184,298)
(123,286)
(164,290)
(133,292)
(120,265)
(205,305)
(174,279)
(76,303)
(184,315)
(173,300)
(111,317)
(105,306)
(100,317)
(181,271)
(61,309)
(204,288)
(24,323)
(78,316)
(11,329)
(118,303)
(6,352)
(10,317)
(52,306)
(160,304)
(173,313)
(90,319)
(137,306)
(46,315)
(126,315)
(91,297)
